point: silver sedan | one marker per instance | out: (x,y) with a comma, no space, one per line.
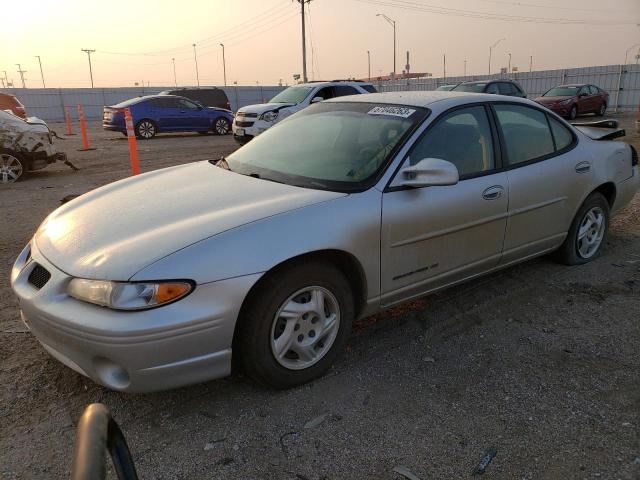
(344,209)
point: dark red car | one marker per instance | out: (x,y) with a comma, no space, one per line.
(573,100)
(10,102)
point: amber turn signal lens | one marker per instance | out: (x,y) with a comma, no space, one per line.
(170,291)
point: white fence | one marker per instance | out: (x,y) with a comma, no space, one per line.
(621,81)
(49,103)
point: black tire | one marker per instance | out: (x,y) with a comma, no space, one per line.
(252,341)
(573,113)
(146,129)
(221,126)
(12,166)
(568,253)
(602,110)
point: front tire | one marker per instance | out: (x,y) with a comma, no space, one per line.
(601,111)
(146,129)
(221,126)
(573,113)
(12,167)
(296,325)
(587,233)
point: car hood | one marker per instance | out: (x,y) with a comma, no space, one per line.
(264,107)
(116,230)
(552,100)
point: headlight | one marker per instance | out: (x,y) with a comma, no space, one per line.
(128,296)
(269,116)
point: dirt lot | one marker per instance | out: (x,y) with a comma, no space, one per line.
(540,362)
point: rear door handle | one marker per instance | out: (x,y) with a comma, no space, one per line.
(583,167)
(493,193)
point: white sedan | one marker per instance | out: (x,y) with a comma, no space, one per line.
(344,209)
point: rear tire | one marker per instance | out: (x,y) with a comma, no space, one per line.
(12,166)
(285,335)
(146,129)
(588,232)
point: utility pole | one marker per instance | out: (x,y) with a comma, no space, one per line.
(393,24)
(509,67)
(530,63)
(368,65)
(491,49)
(175,79)
(195,58)
(21,72)
(304,41)
(224,65)
(465,67)
(41,74)
(6,79)
(89,52)
(444,66)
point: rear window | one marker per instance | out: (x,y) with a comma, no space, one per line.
(128,103)
(370,88)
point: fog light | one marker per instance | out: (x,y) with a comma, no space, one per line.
(111,374)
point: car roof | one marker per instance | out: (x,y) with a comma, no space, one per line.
(573,85)
(325,83)
(427,98)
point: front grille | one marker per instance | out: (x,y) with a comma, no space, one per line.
(247,115)
(244,124)
(39,276)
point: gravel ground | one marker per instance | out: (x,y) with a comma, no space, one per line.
(540,362)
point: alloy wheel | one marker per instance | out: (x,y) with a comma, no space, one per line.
(146,130)
(10,168)
(305,328)
(591,232)
(222,126)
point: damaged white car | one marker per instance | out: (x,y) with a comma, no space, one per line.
(25,145)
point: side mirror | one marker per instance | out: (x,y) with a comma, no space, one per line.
(317,99)
(582,95)
(429,172)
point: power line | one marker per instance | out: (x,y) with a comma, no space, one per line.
(555,7)
(427,8)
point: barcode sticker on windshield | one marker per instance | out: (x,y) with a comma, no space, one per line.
(393,111)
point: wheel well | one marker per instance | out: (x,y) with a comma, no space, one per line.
(608,191)
(343,261)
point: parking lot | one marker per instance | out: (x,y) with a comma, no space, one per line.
(539,362)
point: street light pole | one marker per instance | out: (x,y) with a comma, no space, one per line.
(195,58)
(89,52)
(21,72)
(368,65)
(509,67)
(224,65)
(465,67)
(491,49)
(41,74)
(175,79)
(530,63)
(393,24)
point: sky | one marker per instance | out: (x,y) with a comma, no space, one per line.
(136,41)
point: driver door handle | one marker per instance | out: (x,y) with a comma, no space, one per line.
(493,193)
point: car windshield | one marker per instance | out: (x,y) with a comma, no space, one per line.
(562,92)
(333,146)
(470,87)
(292,95)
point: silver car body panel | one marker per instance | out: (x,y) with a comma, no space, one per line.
(225,231)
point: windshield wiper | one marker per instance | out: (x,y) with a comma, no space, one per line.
(258,176)
(221,162)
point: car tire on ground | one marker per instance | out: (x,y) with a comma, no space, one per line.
(601,111)
(587,233)
(295,324)
(221,126)
(146,129)
(573,113)
(12,166)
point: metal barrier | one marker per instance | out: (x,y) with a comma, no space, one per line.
(98,433)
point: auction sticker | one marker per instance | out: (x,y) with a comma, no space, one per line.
(393,111)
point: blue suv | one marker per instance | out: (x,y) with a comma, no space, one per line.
(167,113)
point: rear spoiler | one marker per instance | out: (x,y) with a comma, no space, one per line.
(600,130)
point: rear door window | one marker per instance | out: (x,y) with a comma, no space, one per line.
(343,90)
(370,88)
(526,132)
(505,88)
(492,88)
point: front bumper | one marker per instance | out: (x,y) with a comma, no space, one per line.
(246,129)
(38,160)
(186,342)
